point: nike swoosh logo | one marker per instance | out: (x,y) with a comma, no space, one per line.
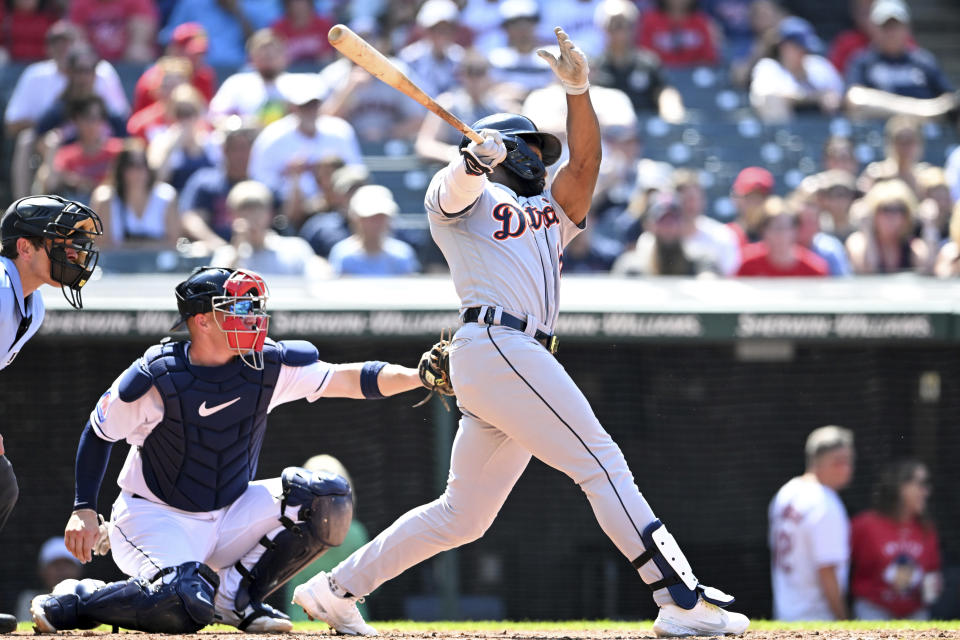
(202,598)
(205,411)
(714,626)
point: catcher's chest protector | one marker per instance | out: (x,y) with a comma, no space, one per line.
(203,453)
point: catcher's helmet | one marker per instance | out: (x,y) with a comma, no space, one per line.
(517,130)
(70,225)
(240,297)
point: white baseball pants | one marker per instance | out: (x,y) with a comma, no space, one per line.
(146,536)
(517,401)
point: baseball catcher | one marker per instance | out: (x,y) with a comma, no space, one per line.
(199,539)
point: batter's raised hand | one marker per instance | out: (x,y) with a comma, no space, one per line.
(81,534)
(482,158)
(571,67)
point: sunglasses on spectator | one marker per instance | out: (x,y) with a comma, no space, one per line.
(893,208)
(182,113)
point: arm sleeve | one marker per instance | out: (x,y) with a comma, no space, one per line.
(93,454)
(856,72)
(453,192)
(307,382)
(938,80)
(829,538)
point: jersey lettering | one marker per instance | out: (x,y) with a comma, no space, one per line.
(514,222)
(506,214)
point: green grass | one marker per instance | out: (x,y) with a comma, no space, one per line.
(609,625)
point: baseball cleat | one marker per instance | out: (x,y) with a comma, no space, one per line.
(704,619)
(61,605)
(258,617)
(320,602)
(40,622)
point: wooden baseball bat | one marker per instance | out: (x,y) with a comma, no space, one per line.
(359,50)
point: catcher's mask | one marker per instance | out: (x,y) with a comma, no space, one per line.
(517,131)
(238,300)
(68,230)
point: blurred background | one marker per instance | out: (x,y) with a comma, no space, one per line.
(773,246)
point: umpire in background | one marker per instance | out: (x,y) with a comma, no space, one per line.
(43,240)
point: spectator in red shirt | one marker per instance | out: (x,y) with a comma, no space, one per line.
(847,44)
(779,254)
(189,41)
(25,29)
(77,168)
(750,190)
(304,32)
(118,29)
(895,548)
(150,120)
(679,33)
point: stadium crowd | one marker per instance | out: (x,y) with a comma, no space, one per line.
(233,132)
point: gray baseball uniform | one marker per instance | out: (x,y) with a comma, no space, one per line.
(505,254)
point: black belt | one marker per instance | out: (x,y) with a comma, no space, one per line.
(550,342)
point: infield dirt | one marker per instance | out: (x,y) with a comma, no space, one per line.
(592,634)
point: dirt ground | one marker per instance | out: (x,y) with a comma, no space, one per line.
(387,634)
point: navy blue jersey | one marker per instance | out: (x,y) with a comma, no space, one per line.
(915,74)
(197,431)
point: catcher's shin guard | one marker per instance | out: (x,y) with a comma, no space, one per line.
(662,549)
(326,510)
(177,600)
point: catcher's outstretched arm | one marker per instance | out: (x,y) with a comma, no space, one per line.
(371,380)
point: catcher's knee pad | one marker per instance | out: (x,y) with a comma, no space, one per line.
(662,549)
(326,509)
(178,600)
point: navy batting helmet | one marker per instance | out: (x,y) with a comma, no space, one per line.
(517,131)
(70,226)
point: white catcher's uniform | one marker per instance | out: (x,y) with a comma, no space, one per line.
(809,529)
(505,253)
(147,535)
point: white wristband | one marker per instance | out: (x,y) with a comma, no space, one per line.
(576,90)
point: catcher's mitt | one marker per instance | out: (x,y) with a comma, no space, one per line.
(434,370)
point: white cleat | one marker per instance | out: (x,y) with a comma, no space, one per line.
(704,619)
(40,622)
(259,618)
(321,603)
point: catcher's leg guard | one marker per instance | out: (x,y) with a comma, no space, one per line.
(326,509)
(177,600)
(662,549)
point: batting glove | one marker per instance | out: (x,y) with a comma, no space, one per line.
(571,67)
(482,158)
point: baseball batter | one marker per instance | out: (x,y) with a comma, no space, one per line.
(43,240)
(202,542)
(503,233)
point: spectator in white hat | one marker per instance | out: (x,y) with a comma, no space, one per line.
(370,251)
(517,61)
(284,153)
(436,56)
(894,77)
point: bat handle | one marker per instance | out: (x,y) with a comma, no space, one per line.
(473,135)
